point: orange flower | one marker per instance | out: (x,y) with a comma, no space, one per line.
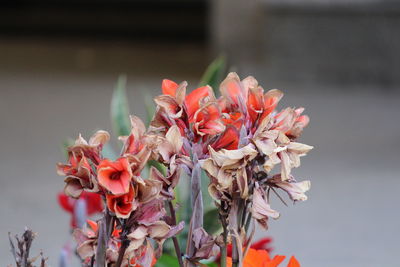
(192,100)
(122,205)
(261,258)
(115,176)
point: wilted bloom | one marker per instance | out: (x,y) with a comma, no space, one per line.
(78,171)
(227,170)
(261,210)
(115,176)
(261,258)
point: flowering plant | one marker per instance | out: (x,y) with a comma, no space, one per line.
(238,140)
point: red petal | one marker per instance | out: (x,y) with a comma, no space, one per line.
(193,99)
(227,140)
(66,202)
(169,87)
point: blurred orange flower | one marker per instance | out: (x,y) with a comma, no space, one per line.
(261,258)
(115,176)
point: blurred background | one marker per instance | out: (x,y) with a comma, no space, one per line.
(59,61)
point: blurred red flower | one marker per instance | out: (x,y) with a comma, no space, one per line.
(93,204)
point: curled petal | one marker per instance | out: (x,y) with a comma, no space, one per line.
(232,89)
(169,87)
(230,158)
(261,210)
(149,190)
(194,100)
(73,187)
(99,138)
(295,190)
(158,229)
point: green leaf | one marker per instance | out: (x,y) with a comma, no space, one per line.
(161,168)
(108,152)
(67,143)
(211,221)
(150,108)
(214,74)
(167,261)
(120,108)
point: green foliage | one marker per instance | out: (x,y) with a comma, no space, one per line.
(214,74)
(108,152)
(211,221)
(167,261)
(120,108)
(67,143)
(150,108)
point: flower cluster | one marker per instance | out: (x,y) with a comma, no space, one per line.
(238,139)
(134,206)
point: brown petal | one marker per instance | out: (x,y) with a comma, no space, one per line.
(149,190)
(295,190)
(73,187)
(86,249)
(261,210)
(174,137)
(158,229)
(99,138)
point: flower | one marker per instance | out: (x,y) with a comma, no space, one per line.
(122,205)
(115,176)
(226,168)
(261,258)
(93,204)
(78,171)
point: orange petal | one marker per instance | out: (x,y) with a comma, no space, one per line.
(193,99)
(92,225)
(271,99)
(275,261)
(227,140)
(169,87)
(293,262)
(231,88)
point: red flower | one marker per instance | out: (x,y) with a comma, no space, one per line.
(192,100)
(93,202)
(122,205)
(115,176)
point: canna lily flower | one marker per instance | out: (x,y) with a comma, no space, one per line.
(115,176)
(192,101)
(79,175)
(135,147)
(207,120)
(261,258)
(93,204)
(245,100)
(122,205)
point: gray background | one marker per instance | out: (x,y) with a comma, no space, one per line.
(335,66)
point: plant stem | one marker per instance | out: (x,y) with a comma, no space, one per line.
(174,239)
(225,239)
(121,252)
